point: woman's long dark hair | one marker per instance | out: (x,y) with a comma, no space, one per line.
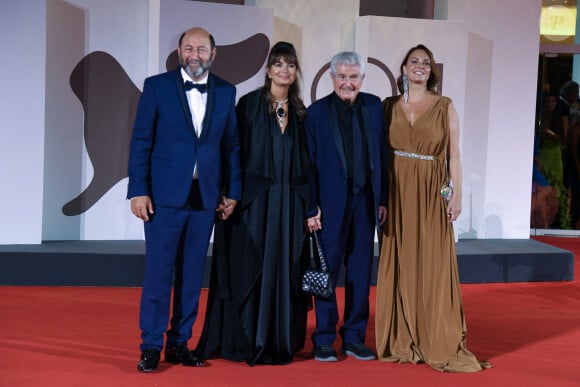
(433,76)
(286,51)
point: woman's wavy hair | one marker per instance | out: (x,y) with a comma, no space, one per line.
(286,51)
(433,76)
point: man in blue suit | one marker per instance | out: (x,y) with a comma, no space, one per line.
(347,145)
(183,167)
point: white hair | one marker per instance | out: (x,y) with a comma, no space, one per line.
(347,58)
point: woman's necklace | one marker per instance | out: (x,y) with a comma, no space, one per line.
(280,112)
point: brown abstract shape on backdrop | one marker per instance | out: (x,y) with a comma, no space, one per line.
(109,99)
(237,62)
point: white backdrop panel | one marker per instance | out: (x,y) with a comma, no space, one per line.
(513,27)
(22,103)
(63,141)
(448,41)
(496,99)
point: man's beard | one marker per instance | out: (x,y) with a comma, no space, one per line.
(201,68)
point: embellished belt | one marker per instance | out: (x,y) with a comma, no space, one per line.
(413,155)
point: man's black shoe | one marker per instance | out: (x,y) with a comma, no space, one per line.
(325,353)
(149,360)
(180,354)
(358,351)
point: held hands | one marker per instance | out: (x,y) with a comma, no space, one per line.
(141,207)
(226,207)
(314,223)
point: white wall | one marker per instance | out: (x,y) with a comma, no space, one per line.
(474,136)
(513,28)
(63,142)
(493,86)
(139,34)
(78,28)
(22,76)
(449,42)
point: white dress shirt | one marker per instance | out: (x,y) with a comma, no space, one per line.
(197,103)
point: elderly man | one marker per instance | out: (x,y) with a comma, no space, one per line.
(347,145)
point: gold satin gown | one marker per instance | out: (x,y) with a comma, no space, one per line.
(419,311)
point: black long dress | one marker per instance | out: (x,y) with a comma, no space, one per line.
(256,311)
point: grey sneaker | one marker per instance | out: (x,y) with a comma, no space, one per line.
(358,351)
(325,353)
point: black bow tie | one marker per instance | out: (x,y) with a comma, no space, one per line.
(201,87)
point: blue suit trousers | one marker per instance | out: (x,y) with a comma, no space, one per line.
(176,241)
(351,243)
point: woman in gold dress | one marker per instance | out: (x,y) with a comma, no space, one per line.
(419,311)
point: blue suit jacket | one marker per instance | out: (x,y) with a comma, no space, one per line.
(165,148)
(329,185)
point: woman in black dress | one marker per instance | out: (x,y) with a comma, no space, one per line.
(256,311)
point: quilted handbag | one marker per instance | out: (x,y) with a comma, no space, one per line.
(316,280)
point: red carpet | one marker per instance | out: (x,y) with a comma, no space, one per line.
(56,336)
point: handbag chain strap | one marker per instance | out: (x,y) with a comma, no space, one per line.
(323,266)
